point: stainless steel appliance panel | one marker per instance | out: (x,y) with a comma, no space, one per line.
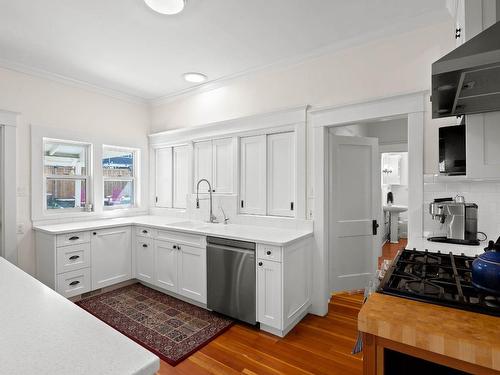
(231,278)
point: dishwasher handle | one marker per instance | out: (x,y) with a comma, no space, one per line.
(230,248)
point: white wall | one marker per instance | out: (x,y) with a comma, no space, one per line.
(387,67)
(51,104)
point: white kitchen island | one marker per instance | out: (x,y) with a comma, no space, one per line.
(41,332)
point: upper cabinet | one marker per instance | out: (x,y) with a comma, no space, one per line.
(267,174)
(253,175)
(482,140)
(172,166)
(214,161)
(281,174)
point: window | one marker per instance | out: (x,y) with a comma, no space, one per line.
(119,175)
(66,167)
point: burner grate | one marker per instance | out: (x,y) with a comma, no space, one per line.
(439,278)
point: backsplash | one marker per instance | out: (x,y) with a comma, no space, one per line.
(485,194)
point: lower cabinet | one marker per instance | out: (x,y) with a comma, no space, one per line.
(173,262)
(283,285)
(111,255)
(167,255)
(269,293)
(192,276)
(144,259)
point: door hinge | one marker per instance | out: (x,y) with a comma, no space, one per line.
(242,204)
(291,206)
(374,227)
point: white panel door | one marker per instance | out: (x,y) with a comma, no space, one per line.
(253,175)
(281,174)
(354,179)
(166,255)
(180,176)
(192,265)
(269,293)
(482,144)
(164,183)
(202,162)
(111,256)
(144,259)
(223,166)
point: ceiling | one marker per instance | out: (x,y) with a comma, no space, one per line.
(122,45)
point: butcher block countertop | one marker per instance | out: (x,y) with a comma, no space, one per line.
(459,334)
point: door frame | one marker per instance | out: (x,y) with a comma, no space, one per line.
(8,201)
(411,106)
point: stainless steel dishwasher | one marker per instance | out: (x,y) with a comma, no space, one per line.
(231,278)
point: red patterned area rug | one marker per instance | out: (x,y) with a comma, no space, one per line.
(166,326)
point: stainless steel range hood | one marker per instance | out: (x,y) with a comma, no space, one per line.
(467,80)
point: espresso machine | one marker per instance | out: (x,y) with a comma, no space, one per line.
(458,218)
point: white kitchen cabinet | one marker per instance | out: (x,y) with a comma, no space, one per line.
(213,160)
(111,256)
(166,256)
(284,279)
(181,267)
(192,263)
(144,259)
(269,293)
(281,174)
(164,185)
(482,140)
(253,197)
(202,162)
(180,176)
(222,165)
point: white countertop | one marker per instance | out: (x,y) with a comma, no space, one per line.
(42,332)
(423,244)
(254,233)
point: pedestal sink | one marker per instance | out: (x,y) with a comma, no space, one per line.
(394,211)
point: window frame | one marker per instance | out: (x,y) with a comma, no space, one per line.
(134,179)
(87,177)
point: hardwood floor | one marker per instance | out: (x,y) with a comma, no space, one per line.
(389,250)
(317,345)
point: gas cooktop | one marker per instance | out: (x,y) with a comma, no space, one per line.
(442,279)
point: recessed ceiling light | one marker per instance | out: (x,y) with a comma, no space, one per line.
(194,77)
(166,6)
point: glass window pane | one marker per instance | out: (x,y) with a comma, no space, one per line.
(66,194)
(118,193)
(117,163)
(65,159)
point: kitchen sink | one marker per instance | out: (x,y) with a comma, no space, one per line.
(190,225)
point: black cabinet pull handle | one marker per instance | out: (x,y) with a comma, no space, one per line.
(174,247)
(76,282)
(178,247)
(260,264)
(74,238)
(144,245)
(95,233)
(268,252)
(144,231)
(74,257)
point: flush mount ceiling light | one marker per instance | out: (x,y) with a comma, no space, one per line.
(194,77)
(168,7)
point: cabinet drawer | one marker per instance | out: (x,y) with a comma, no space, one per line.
(184,238)
(144,232)
(73,257)
(73,283)
(72,238)
(269,252)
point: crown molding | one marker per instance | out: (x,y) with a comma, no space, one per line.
(40,73)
